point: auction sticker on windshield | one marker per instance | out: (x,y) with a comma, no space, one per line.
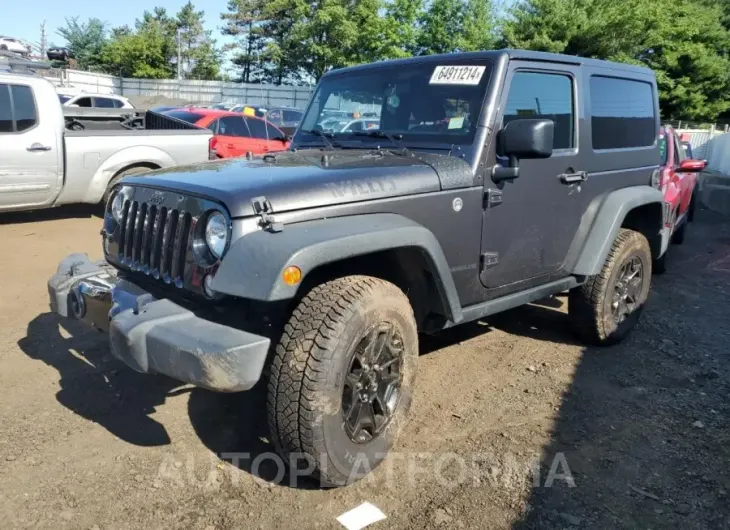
(457,75)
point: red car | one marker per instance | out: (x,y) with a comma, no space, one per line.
(679,176)
(234,134)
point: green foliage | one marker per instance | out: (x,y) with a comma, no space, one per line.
(85,40)
(200,59)
(684,43)
(442,26)
(143,53)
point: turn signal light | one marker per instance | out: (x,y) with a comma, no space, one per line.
(292,275)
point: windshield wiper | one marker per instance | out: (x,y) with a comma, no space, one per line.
(325,137)
(396,139)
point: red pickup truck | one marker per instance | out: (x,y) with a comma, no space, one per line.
(679,176)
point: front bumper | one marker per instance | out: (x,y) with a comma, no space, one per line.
(156,335)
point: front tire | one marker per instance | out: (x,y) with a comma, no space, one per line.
(342,377)
(607,306)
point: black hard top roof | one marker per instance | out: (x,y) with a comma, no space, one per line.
(496,55)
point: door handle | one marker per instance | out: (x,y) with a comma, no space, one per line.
(38,147)
(573,178)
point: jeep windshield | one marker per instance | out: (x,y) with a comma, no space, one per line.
(429,104)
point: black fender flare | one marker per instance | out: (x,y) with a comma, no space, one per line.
(253,266)
(598,232)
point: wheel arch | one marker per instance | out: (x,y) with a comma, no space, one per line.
(387,246)
(639,208)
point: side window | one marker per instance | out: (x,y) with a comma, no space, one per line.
(274,116)
(104,103)
(679,154)
(622,113)
(233,126)
(258,128)
(272,131)
(291,115)
(213,126)
(542,95)
(6,113)
(24,107)
(118,104)
(83,102)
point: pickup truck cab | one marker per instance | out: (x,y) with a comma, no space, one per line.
(493,179)
(44,165)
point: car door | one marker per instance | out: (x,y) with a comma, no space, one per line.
(85,102)
(104,103)
(259,134)
(529,223)
(276,139)
(685,181)
(234,137)
(30,151)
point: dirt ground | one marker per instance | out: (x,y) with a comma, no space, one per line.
(634,436)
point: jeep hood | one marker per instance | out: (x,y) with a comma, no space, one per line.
(306,179)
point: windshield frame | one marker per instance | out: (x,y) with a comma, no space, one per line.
(304,139)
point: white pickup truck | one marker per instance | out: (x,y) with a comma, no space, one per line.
(42,164)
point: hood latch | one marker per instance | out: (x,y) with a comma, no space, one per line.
(262,207)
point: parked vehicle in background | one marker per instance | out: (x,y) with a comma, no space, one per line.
(18,46)
(234,134)
(285,118)
(686,141)
(494,179)
(59,53)
(223,106)
(679,178)
(87,100)
(43,165)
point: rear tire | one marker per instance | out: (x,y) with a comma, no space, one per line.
(356,330)
(680,234)
(119,176)
(607,306)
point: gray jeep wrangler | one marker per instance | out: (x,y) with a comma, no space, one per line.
(418,194)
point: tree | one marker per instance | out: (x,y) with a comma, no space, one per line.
(400,30)
(199,56)
(243,22)
(280,57)
(683,42)
(479,26)
(141,54)
(160,28)
(442,27)
(85,40)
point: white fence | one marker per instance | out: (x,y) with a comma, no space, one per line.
(187,90)
(711,145)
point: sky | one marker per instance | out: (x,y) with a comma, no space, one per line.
(24,21)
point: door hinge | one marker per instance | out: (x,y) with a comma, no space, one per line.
(492,198)
(489,259)
(262,208)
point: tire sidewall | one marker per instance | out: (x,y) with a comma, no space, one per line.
(347,461)
(638,247)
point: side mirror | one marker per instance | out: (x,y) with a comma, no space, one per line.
(689,165)
(527,138)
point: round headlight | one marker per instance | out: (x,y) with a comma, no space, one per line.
(216,233)
(117,207)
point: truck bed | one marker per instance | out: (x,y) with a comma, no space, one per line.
(97,119)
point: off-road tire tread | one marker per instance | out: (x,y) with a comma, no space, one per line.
(301,358)
(585,302)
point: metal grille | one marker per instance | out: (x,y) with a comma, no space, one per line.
(155,240)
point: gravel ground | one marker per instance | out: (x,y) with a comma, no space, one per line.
(514,424)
